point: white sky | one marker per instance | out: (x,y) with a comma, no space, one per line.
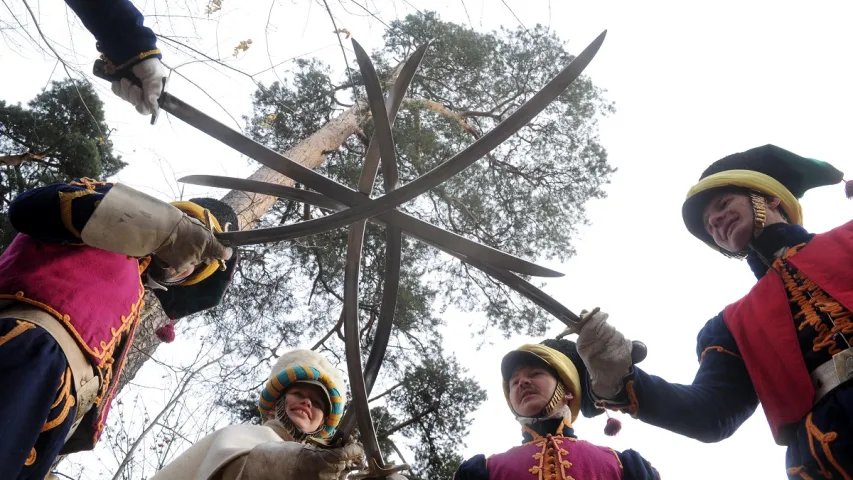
(691,84)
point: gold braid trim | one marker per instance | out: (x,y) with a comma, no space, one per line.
(105,353)
(89,183)
(618,460)
(801,471)
(65,213)
(813,302)
(111,68)
(716,348)
(556,398)
(143,263)
(63,394)
(633,407)
(20,328)
(825,439)
(759,210)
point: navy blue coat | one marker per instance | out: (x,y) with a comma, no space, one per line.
(118,28)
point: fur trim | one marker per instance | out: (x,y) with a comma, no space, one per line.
(309,358)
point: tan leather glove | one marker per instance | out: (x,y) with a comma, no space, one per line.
(299,461)
(190,244)
(605,352)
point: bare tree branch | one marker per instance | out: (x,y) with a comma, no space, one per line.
(386,392)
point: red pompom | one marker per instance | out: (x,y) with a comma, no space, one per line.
(848,188)
(613,426)
(166,333)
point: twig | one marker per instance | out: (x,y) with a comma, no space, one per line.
(64,65)
(516,17)
(396,428)
(343,52)
(397,450)
(386,392)
(329,334)
(179,394)
(465,7)
(210,97)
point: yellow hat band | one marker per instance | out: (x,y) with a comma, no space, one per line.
(755,181)
(748,179)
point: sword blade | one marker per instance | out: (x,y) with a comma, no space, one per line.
(253,149)
(446,170)
(383,136)
(393,237)
(413,227)
(363,208)
(404,79)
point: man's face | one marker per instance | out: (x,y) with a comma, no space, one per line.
(304,404)
(530,389)
(730,220)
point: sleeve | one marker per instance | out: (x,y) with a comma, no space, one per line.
(473,469)
(635,467)
(233,470)
(710,409)
(118,28)
(57,213)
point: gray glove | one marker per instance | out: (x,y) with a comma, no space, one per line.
(605,352)
(299,461)
(190,244)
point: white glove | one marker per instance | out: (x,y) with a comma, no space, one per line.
(150,72)
(605,352)
(299,461)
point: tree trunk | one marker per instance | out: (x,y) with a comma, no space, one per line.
(250,207)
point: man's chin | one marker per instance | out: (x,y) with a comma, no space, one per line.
(530,409)
(740,243)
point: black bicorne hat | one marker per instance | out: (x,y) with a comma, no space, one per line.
(768,170)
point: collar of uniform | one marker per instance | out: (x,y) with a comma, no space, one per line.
(553,426)
(774,237)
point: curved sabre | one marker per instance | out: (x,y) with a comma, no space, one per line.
(382,136)
(393,234)
(439,174)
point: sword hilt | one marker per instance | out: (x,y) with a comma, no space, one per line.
(102,70)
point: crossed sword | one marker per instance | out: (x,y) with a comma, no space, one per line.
(354,208)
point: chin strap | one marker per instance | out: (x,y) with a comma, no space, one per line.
(759,216)
(759,213)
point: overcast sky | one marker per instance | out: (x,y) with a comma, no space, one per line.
(691,84)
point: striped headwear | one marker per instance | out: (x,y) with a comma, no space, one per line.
(305,366)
